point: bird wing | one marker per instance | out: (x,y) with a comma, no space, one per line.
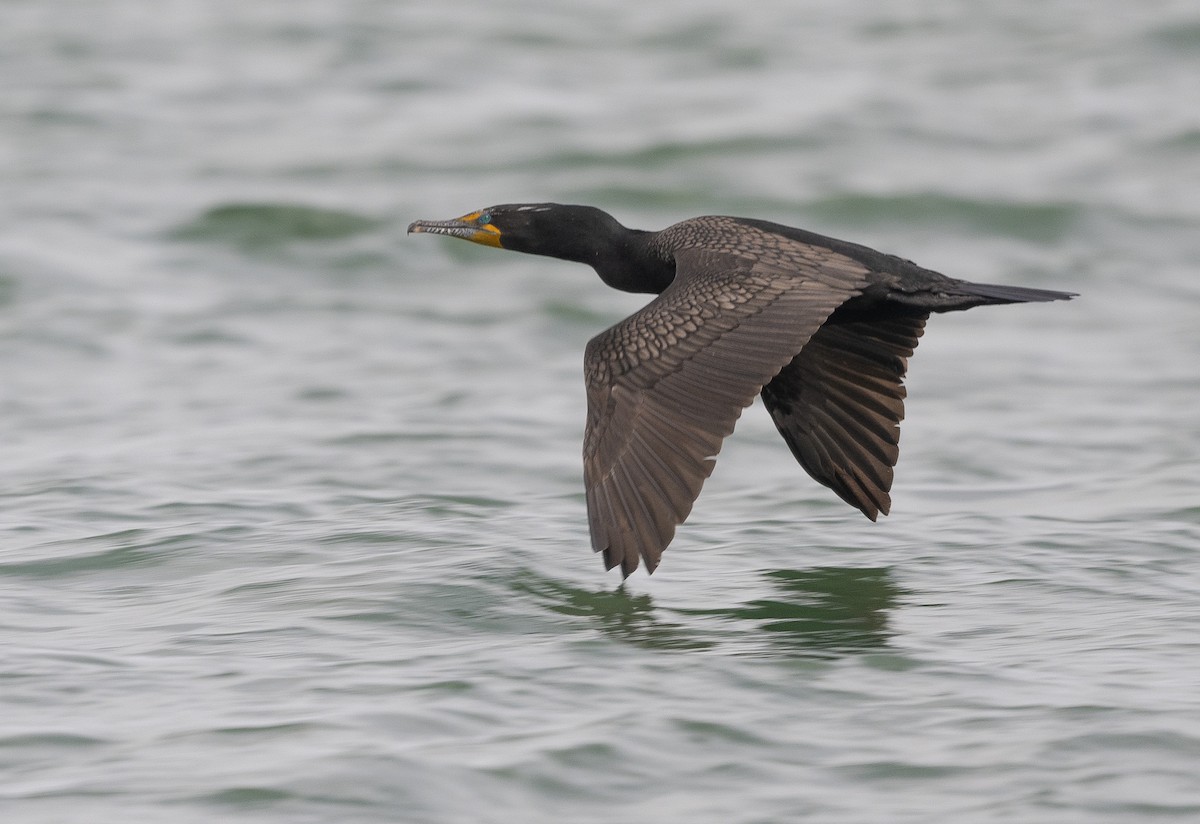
(666,385)
(839,404)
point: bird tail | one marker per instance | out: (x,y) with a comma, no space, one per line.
(993,293)
(956,295)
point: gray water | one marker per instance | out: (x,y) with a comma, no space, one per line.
(291,515)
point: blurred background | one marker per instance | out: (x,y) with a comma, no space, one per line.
(291,515)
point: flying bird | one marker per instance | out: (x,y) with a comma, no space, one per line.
(821,328)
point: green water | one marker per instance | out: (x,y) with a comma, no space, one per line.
(291,513)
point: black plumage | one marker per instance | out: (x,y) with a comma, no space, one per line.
(820,327)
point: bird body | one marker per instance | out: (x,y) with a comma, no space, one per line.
(821,328)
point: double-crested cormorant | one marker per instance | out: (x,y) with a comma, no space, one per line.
(820,327)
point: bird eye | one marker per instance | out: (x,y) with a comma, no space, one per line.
(484,219)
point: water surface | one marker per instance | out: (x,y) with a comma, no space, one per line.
(291,520)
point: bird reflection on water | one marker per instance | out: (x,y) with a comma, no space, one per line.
(820,612)
(826,611)
(621,614)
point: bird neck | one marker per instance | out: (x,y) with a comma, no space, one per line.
(628,260)
(625,259)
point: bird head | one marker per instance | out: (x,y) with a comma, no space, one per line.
(554,229)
